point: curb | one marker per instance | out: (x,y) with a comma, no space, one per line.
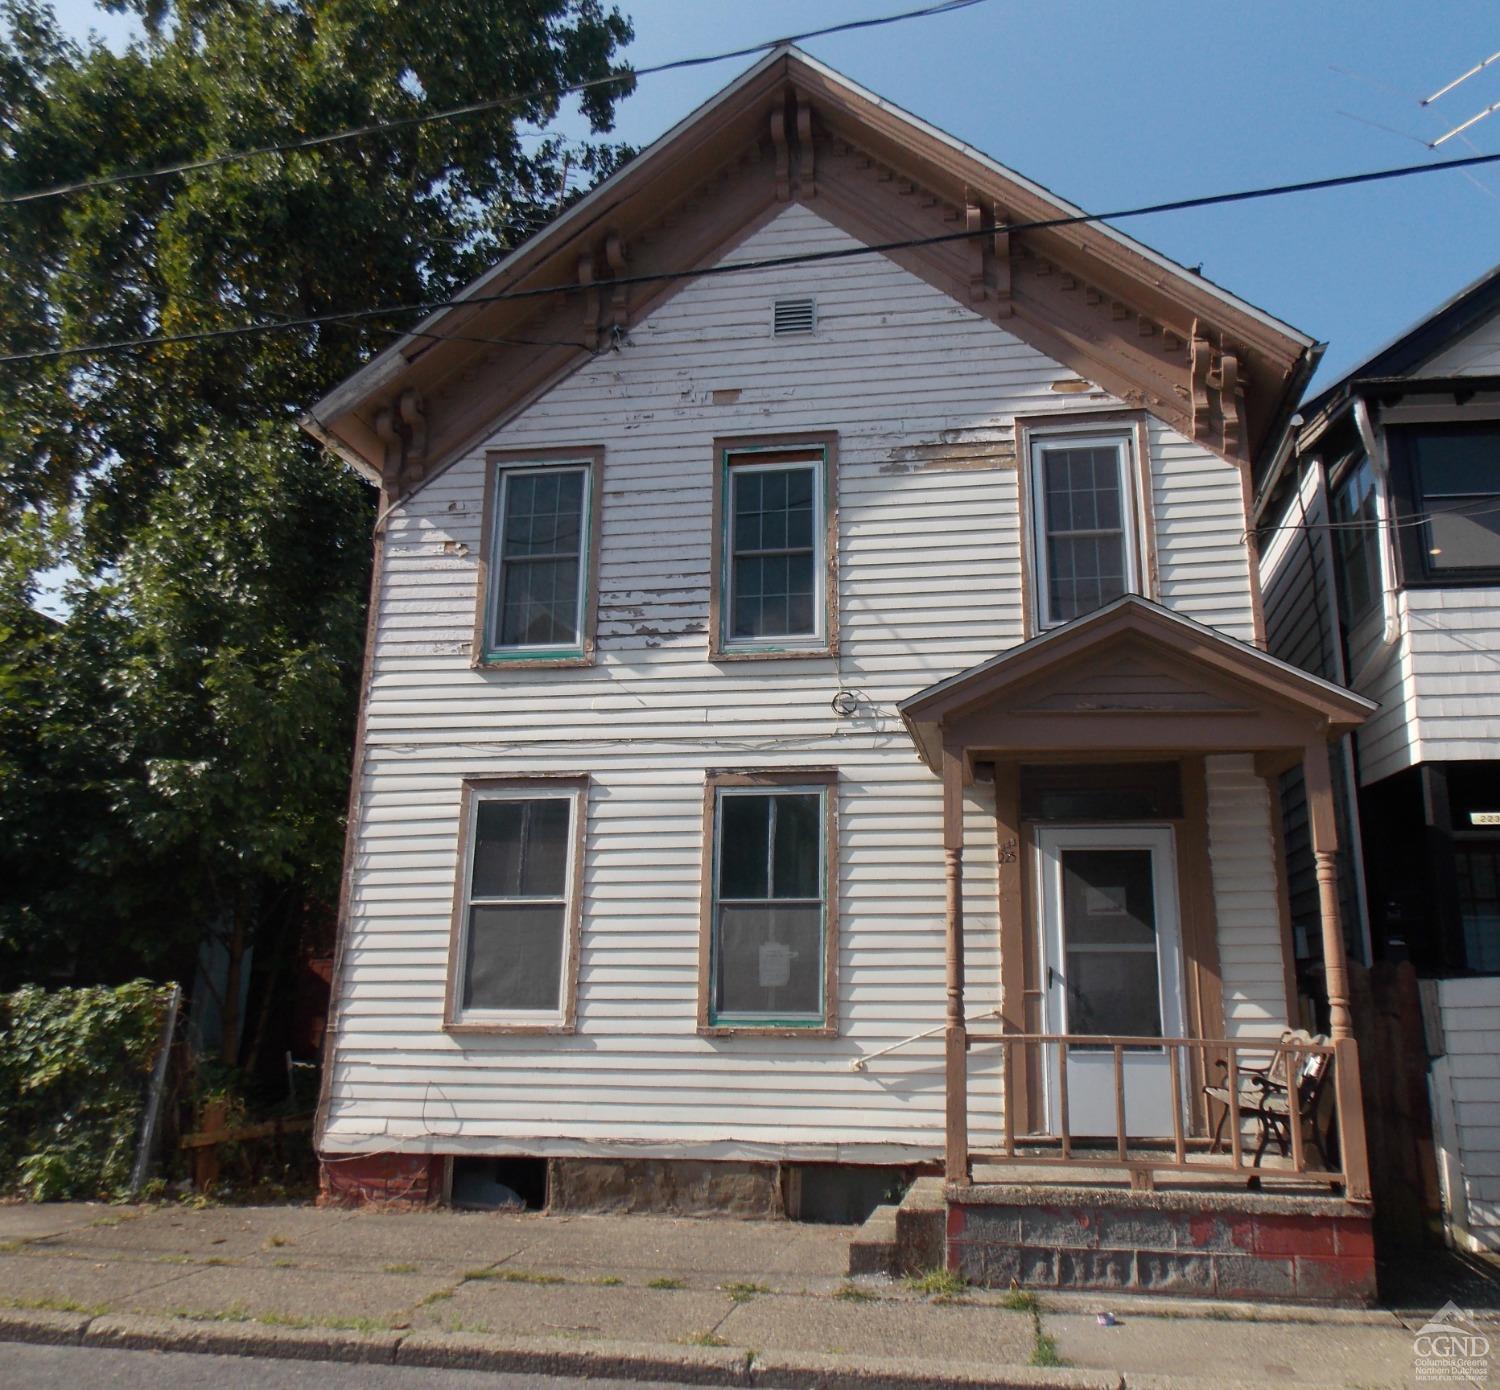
(727,1366)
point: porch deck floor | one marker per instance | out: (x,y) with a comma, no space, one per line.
(1276,1178)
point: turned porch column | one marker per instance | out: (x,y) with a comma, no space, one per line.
(955,1037)
(1318,781)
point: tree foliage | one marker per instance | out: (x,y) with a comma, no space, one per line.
(174,752)
(73,1072)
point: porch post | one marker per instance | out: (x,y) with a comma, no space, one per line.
(1318,781)
(955,1037)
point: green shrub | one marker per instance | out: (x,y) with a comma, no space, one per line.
(74,1067)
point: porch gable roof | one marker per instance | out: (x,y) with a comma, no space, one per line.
(1131,676)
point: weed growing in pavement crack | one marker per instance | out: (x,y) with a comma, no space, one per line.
(852,1293)
(943,1282)
(235,1312)
(52,1305)
(1044,1350)
(608,1281)
(1021,1301)
(401,1267)
(704,1339)
(435,1296)
(743,1293)
(664,1282)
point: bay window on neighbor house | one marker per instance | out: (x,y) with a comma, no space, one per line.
(1085,532)
(514,948)
(541,527)
(1357,541)
(774,543)
(1448,480)
(769,906)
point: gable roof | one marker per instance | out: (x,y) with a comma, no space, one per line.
(790,128)
(1396,365)
(1168,641)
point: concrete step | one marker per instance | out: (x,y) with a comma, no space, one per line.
(873,1249)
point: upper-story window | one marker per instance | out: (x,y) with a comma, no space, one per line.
(541,525)
(1083,518)
(1356,541)
(1450,482)
(774,541)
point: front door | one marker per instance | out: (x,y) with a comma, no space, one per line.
(1112,967)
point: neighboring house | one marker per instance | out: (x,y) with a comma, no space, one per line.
(1380,524)
(774,672)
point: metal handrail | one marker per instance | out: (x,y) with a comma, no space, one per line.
(859,1063)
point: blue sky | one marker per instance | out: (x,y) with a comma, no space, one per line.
(1115,104)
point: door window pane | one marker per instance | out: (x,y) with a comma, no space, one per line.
(768,947)
(516,929)
(774,523)
(1110,942)
(1083,511)
(541,557)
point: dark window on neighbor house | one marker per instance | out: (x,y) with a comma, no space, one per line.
(1479,905)
(767,960)
(516,917)
(1356,542)
(1083,524)
(1449,478)
(540,561)
(774,580)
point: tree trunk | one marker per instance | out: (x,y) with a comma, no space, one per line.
(229,1046)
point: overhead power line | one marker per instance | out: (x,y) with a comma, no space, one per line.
(472,108)
(737,267)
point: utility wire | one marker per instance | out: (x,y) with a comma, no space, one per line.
(472,108)
(767,263)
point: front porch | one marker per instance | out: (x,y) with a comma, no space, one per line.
(1162,1146)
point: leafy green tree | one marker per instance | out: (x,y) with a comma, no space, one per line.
(174,753)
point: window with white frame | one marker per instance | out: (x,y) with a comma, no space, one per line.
(513,956)
(539,561)
(774,582)
(1084,527)
(770,922)
(1357,541)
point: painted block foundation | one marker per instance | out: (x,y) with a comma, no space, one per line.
(1280,1249)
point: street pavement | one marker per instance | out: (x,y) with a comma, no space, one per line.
(641,1298)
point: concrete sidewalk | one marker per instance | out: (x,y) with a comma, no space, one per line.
(712,1302)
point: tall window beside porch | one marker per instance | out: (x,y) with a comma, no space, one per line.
(1083,524)
(539,571)
(769,924)
(514,929)
(774,542)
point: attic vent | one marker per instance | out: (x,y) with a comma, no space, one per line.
(794,316)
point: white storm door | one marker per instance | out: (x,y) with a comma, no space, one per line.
(1112,966)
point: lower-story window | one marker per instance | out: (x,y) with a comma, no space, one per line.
(515,928)
(770,909)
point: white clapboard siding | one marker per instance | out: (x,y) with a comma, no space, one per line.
(1466,1085)
(1477,353)
(1241,852)
(929,583)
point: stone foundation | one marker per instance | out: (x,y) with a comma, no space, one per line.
(676,1187)
(1280,1249)
(386,1180)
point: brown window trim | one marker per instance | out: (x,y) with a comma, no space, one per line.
(777,777)
(494,461)
(1132,422)
(540,782)
(828,442)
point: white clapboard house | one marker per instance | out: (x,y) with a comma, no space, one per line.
(1381,568)
(804,680)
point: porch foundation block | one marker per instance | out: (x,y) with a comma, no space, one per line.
(381,1180)
(1239,1245)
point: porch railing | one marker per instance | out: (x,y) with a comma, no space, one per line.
(1297,1095)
